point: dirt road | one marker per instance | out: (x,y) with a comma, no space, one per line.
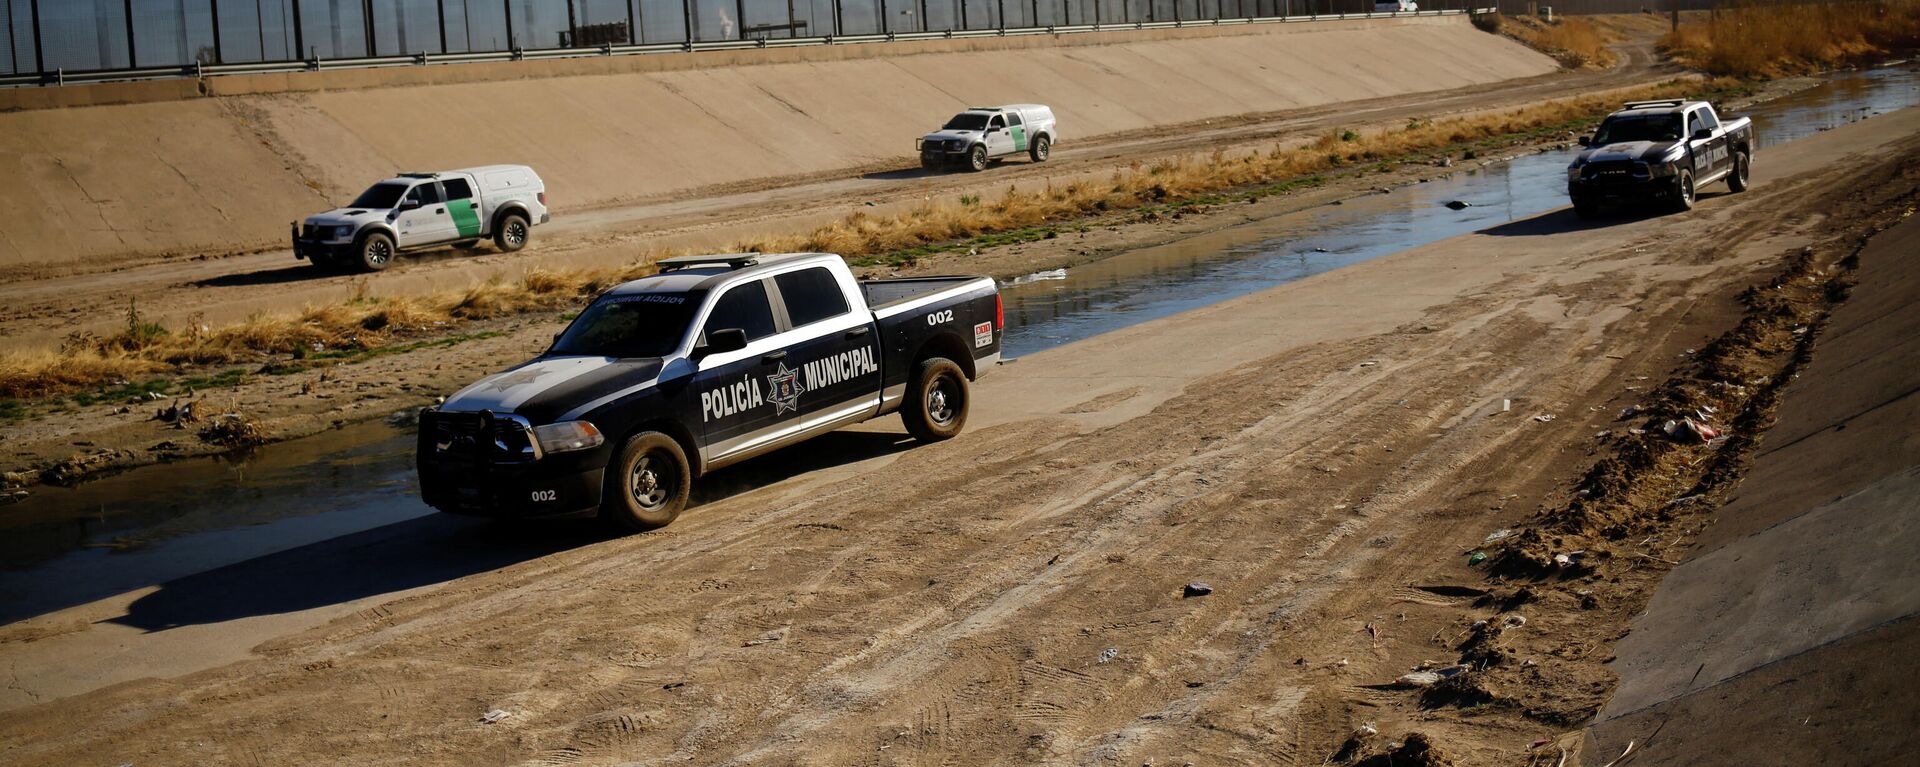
(1014,596)
(38,313)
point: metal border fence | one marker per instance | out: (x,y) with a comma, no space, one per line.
(117,19)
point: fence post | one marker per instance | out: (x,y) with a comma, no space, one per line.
(220,56)
(299,36)
(441,6)
(133,59)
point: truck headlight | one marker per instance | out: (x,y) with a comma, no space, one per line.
(568,435)
(342,232)
(1573,171)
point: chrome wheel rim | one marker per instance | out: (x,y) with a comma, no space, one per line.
(1740,168)
(648,484)
(516,232)
(940,402)
(1686,189)
(1045,149)
(378,252)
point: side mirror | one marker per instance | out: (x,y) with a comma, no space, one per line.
(722,341)
(1702,135)
(1585,140)
(408,205)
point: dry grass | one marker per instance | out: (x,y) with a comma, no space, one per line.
(1752,40)
(366,325)
(1573,41)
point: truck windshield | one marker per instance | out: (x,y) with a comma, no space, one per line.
(1649,128)
(382,195)
(966,121)
(638,325)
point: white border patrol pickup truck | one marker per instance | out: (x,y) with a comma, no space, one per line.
(419,210)
(980,134)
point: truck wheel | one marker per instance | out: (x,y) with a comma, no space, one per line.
(512,234)
(977,159)
(938,401)
(376,252)
(647,483)
(1737,178)
(1039,149)
(1683,192)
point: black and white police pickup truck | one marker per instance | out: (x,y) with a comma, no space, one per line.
(714,360)
(419,210)
(1659,150)
(980,134)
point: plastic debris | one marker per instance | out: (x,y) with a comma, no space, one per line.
(1459,204)
(1109,654)
(1569,559)
(1476,558)
(1506,405)
(1428,677)
(1543,417)
(1690,430)
(1496,536)
(494,716)
(1196,589)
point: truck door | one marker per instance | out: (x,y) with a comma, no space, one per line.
(463,209)
(423,216)
(834,348)
(1018,130)
(741,392)
(1718,158)
(999,139)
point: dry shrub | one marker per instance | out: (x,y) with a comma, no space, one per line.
(1771,40)
(1573,41)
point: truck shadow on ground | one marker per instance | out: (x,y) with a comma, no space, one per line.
(1565,220)
(301,271)
(438,548)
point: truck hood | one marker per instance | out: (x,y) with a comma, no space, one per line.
(544,388)
(968,136)
(1643,151)
(345,216)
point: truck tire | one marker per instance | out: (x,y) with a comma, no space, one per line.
(938,400)
(1737,178)
(647,483)
(1039,149)
(512,234)
(375,252)
(1683,192)
(977,158)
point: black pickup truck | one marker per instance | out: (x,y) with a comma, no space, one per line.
(714,360)
(1659,151)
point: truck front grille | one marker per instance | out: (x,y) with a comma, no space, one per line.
(474,436)
(311,232)
(1615,170)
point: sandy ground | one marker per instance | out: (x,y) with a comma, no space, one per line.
(1317,453)
(105,187)
(37,310)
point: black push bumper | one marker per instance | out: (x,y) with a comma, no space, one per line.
(309,249)
(470,464)
(1657,189)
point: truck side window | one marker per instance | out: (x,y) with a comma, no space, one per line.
(425,194)
(1706,120)
(457,189)
(997,122)
(1013,118)
(811,295)
(744,307)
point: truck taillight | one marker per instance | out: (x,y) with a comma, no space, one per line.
(999,313)
(542,196)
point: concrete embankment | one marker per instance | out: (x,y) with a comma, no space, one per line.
(1791,637)
(186,174)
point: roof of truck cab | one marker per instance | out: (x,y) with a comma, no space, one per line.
(477,170)
(1025,107)
(710,276)
(1646,109)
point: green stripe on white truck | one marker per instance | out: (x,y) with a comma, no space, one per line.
(1019,138)
(465,217)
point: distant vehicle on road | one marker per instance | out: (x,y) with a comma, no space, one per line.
(1659,150)
(419,210)
(981,134)
(712,361)
(1395,6)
